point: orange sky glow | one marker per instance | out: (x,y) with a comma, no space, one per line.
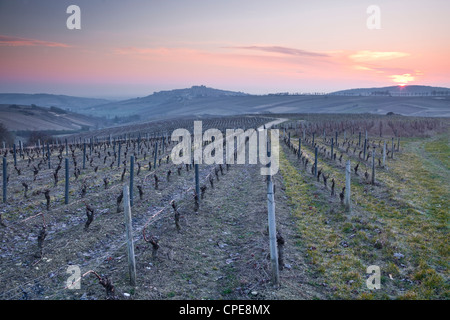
(255,46)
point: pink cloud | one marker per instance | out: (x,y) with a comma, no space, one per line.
(366,55)
(282,50)
(23,42)
(289,61)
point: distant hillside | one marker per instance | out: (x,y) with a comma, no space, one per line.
(195,92)
(47,100)
(204,101)
(413,90)
(28,118)
(161,102)
(201,101)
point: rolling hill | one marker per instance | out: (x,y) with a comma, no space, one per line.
(168,103)
(48,100)
(412,90)
(203,101)
(28,118)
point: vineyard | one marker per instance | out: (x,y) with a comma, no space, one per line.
(397,217)
(64,206)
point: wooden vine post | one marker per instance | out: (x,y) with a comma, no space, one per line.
(197,182)
(332,147)
(131,179)
(156,154)
(315,162)
(365,147)
(20,148)
(66,194)
(129,236)
(84,155)
(48,153)
(347,186)
(4,179)
(392,153)
(118,156)
(272,227)
(373,166)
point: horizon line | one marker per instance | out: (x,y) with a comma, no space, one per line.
(317,92)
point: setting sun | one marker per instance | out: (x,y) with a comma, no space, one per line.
(402,79)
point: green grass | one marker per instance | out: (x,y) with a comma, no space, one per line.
(407,212)
(440,149)
(319,241)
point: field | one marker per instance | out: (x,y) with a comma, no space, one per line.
(217,246)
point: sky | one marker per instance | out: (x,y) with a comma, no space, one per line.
(134,48)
